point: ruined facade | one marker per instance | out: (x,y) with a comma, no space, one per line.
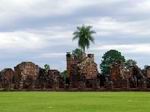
(147,71)
(82,75)
(48,79)
(119,75)
(7,78)
(88,67)
(115,74)
(81,71)
(123,77)
(54,75)
(26,74)
(115,71)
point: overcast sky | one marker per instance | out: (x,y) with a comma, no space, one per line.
(41,30)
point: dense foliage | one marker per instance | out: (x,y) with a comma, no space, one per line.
(64,74)
(110,57)
(46,67)
(78,53)
(130,63)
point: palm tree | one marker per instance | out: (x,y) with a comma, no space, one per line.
(84,36)
(46,67)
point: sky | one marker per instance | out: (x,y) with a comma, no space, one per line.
(41,31)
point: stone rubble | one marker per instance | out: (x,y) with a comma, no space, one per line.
(81,74)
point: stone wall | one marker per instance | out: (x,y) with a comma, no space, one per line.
(82,75)
(6,77)
(55,76)
(25,74)
(147,71)
(115,71)
(79,71)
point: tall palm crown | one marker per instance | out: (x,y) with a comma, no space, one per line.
(84,36)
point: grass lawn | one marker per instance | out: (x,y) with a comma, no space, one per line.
(74,102)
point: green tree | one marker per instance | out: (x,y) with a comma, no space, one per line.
(110,57)
(78,53)
(46,67)
(64,74)
(84,36)
(130,63)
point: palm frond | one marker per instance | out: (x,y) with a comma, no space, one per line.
(91,39)
(75,37)
(92,32)
(78,28)
(84,36)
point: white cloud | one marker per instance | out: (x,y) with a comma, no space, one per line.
(35,39)
(142,6)
(110,26)
(106,18)
(57,32)
(52,55)
(127,48)
(20,40)
(19,9)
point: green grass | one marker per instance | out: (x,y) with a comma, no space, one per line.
(74,102)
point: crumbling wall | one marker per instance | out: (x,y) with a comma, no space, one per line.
(25,74)
(89,68)
(48,80)
(6,77)
(77,69)
(72,70)
(147,72)
(115,72)
(54,75)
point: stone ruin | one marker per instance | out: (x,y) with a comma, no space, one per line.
(55,77)
(72,69)
(146,72)
(115,74)
(26,74)
(82,73)
(48,80)
(88,67)
(7,78)
(123,77)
